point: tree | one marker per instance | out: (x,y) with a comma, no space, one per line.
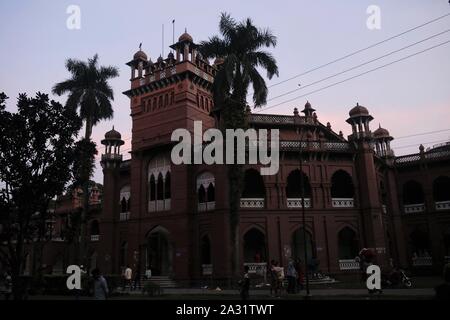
(241,55)
(37,151)
(90,93)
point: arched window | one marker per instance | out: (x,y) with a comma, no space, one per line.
(124,199)
(95,228)
(152,188)
(159,183)
(254,190)
(201,194)
(253,185)
(201,102)
(206,191)
(413,193)
(348,244)
(160,188)
(123,205)
(341,185)
(205,249)
(294,189)
(441,189)
(211,193)
(254,246)
(167,186)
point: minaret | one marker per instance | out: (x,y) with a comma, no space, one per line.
(110,162)
(383,142)
(370,205)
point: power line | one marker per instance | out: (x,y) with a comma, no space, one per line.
(422,134)
(418,144)
(359,51)
(354,77)
(360,65)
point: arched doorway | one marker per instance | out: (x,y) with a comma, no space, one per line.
(348,244)
(159,252)
(254,246)
(298,245)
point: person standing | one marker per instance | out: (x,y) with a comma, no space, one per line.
(137,278)
(100,285)
(291,274)
(128,275)
(245,285)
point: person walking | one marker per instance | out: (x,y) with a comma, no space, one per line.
(279,278)
(128,275)
(100,285)
(244,284)
(137,278)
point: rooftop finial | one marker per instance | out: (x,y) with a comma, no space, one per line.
(140,46)
(113,127)
(185,29)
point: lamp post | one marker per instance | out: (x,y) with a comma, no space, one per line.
(302,193)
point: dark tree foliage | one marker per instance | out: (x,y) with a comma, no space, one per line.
(37,151)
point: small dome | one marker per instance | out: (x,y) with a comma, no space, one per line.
(170,55)
(307,105)
(381,132)
(160,59)
(140,55)
(359,111)
(113,135)
(185,37)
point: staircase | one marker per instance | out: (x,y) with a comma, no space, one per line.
(162,281)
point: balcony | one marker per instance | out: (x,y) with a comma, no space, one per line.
(252,202)
(257,268)
(124,216)
(422,261)
(206,206)
(297,202)
(443,205)
(95,237)
(348,264)
(343,202)
(207,269)
(159,205)
(414,208)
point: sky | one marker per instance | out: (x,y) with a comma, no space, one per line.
(410,98)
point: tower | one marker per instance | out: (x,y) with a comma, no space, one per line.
(110,162)
(383,142)
(370,204)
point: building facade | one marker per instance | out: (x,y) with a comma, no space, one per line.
(174,219)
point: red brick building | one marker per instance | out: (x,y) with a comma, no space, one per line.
(173,219)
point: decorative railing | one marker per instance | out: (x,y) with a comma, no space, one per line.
(343,202)
(272,118)
(429,155)
(259,268)
(206,206)
(314,145)
(407,158)
(443,205)
(348,264)
(95,237)
(297,202)
(207,269)
(252,202)
(124,216)
(414,208)
(159,205)
(112,156)
(422,261)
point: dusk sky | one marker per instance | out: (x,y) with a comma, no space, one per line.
(410,97)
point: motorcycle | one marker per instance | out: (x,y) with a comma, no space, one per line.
(397,278)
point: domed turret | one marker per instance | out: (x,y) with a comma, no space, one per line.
(113,135)
(185,37)
(112,142)
(381,133)
(140,55)
(383,142)
(359,120)
(358,111)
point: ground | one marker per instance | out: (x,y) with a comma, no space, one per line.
(423,290)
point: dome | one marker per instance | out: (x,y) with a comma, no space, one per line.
(381,132)
(185,37)
(140,55)
(160,59)
(359,111)
(113,135)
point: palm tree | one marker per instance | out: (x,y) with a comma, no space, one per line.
(240,53)
(89,92)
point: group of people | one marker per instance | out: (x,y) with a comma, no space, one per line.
(294,275)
